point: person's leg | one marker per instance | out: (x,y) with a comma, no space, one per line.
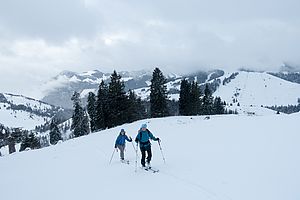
(143,151)
(149,154)
(122,148)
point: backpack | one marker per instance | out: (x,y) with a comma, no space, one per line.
(147,142)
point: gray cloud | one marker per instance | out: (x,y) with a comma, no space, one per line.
(52,20)
(38,39)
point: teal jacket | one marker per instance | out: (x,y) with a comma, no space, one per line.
(143,137)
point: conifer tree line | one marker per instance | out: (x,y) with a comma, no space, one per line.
(12,136)
(113,106)
(193,102)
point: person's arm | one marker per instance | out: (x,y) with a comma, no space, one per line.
(128,139)
(137,137)
(152,136)
(116,141)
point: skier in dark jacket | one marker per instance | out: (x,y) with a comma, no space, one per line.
(143,138)
(120,143)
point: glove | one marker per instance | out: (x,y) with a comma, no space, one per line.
(136,140)
(130,138)
(157,139)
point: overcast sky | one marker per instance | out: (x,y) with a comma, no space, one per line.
(41,38)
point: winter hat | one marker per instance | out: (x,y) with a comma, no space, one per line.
(122,130)
(144,126)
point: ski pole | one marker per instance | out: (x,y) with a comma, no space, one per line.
(112,155)
(133,146)
(136,155)
(161,151)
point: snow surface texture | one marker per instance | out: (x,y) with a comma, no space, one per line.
(254,88)
(223,158)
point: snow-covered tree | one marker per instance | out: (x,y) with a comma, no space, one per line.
(55,134)
(79,122)
(30,141)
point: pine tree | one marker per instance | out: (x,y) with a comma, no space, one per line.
(102,108)
(117,101)
(78,116)
(184,97)
(91,109)
(173,107)
(195,102)
(207,101)
(218,106)
(55,134)
(11,144)
(158,95)
(30,141)
(85,124)
(135,109)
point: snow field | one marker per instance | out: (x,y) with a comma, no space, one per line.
(226,157)
(254,88)
(19,118)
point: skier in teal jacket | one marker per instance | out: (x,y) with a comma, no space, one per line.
(143,138)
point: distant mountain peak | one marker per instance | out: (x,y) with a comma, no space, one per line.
(289,68)
(67,73)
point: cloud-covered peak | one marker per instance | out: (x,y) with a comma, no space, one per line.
(38,39)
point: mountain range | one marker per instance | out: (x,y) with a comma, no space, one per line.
(241,89)
(243,86)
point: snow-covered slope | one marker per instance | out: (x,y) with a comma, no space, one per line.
(21,111)
(248,88)
(224,158)
(255,88)
(26,101)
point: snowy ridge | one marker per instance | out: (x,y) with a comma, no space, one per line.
(255,88)
(226,157)
(19,118)
(26,101)
(24,112)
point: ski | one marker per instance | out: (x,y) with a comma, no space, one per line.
(125,162)
(150,169)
